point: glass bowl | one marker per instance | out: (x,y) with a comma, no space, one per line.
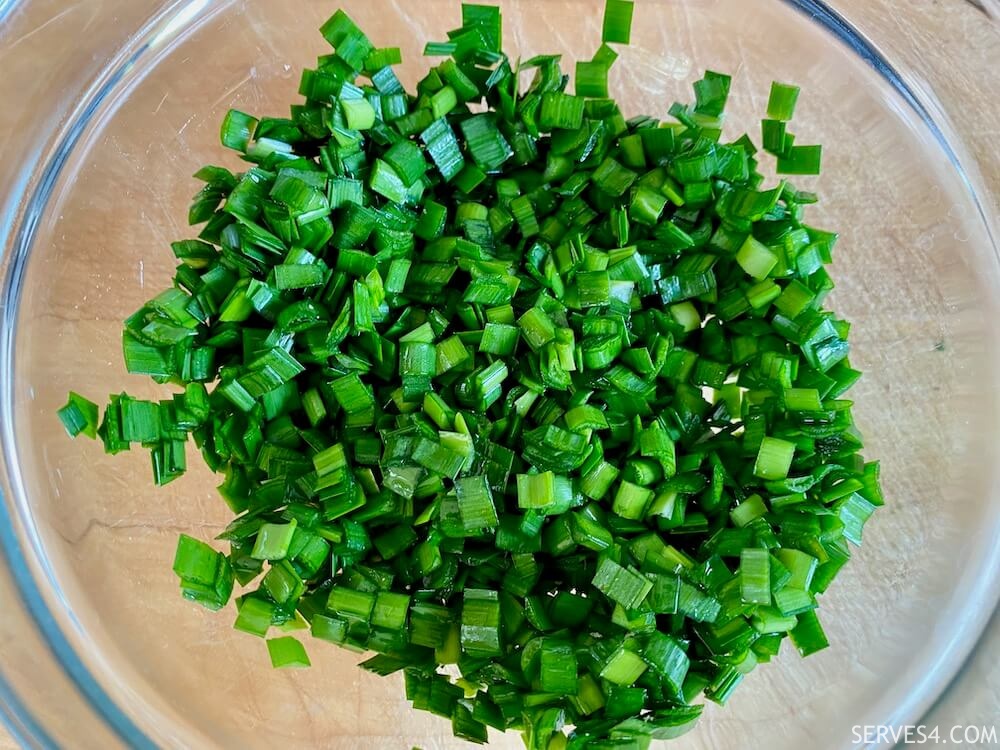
(98,648)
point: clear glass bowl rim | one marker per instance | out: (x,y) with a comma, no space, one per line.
(171,23)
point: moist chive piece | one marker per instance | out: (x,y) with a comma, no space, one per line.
(781,102)
(623,667)
(712,93)
(544,493)
(561,111)
(273,541)
(480,633)
(618,21)
(756,258)
(800,160)
(501,379)
(808,635)
(647,206)
(237,130)
(499,339)
(632,500)
(206,576)
(406,158)
(605,55)
(613,178)
(475,503)
(358,113)
(773,136)
(287,652)
(558,667)
(592,79)
(755,576)
(79,416)
(443,148)
(255,616)
(298,276)
(195,560)
(488,147)
(774,458)
(668,658)
(625,586)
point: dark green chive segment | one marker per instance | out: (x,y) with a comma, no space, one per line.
(776,139)
(499,379)
(79,416)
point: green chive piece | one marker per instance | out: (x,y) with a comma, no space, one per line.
(237,130)
(808,635)
(79,416)
(774,458)
(755,576)
(781,103)
(756,259)
(475,504)
(800,160)
(206,575)
(480,632)
(622,585)
(618,21)
(623,667)
(273,541)
(592,79)
(287,652)
(488,147)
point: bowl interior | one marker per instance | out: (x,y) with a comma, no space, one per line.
(916,273)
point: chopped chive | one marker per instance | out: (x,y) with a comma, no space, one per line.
(668,658)
(781,103)
(774,458)
(773,136)
(255,616)
(475,504)
(79,416)
(632,500)
(358,113)
(592,79)
(711,93)
(443,148)
(489,149)
(407,160)
(622,585)
(287,652)
(561,111)
(800,160)
(755,576)
(623,667)
(502,380)
(808,635)
(298,277)
(480,633)
(613,178)
(273,541)
(618,21)
(237,130)
(756,258)
(545,493)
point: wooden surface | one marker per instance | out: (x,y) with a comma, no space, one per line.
(954,45)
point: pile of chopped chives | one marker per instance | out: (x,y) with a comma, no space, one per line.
(500,379)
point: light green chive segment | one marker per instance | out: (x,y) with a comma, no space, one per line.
(505,378)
